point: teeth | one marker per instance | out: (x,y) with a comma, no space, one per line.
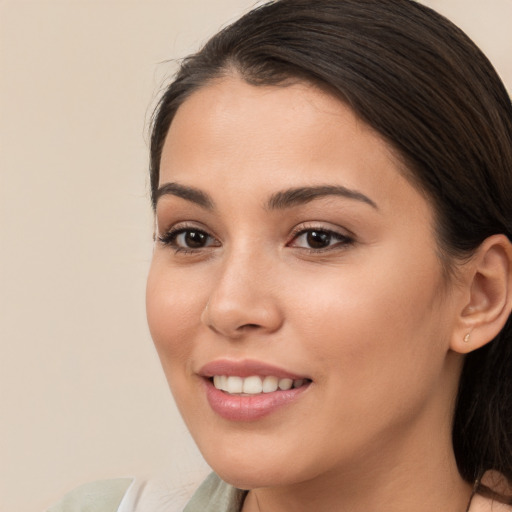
(254,385)
(270,384)
(285,384)
(234,384)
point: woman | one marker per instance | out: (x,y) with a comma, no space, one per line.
(331,286)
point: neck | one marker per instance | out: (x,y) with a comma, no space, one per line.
(398,477)
(398,491)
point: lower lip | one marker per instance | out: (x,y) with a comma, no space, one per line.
(249,407)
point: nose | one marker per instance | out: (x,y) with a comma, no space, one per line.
(243,298)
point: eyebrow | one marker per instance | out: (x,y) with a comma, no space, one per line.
(188,193)
(278,201)
(301,195)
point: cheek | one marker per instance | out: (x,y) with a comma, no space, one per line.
(373,333)
(174,305)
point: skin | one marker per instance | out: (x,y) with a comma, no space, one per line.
(369,320)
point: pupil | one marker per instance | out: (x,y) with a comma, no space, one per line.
(318,239)
(195,239)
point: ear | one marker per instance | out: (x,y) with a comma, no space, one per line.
(487,301)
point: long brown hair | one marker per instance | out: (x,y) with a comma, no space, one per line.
(431,93)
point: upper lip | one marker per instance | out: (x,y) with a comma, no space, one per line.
(246,368)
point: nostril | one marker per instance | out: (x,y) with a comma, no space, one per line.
(249,326)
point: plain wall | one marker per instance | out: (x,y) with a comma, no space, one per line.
(82,395)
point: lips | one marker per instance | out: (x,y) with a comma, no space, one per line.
(250,390)
(246,368)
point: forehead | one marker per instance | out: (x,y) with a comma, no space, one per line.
(230,135)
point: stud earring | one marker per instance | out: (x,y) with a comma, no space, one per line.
(466,338)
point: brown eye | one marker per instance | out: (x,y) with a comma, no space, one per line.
(188,239)
(194,239)
(318,239)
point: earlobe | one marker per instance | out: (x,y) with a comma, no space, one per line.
(488,303)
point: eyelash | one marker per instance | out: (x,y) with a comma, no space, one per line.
(169,239)
(343,241)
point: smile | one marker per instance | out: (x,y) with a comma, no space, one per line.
(254,385)
(249,390)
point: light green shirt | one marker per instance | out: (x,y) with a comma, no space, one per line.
(102,496)
(213,495)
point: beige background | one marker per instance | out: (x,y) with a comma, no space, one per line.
(82,396)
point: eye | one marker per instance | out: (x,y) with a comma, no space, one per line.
(192,239)
(319,239)
(188,239)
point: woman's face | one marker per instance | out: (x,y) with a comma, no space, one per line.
(291,248)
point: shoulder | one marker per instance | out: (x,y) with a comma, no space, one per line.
(127,495)
(215,495)
(101,496)
(497,483)
(482,504)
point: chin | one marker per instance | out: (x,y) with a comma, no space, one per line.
(244,467)
(251,464)
(246,479)
(254,476)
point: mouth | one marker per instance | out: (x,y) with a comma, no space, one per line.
(254,384)
(250,390)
